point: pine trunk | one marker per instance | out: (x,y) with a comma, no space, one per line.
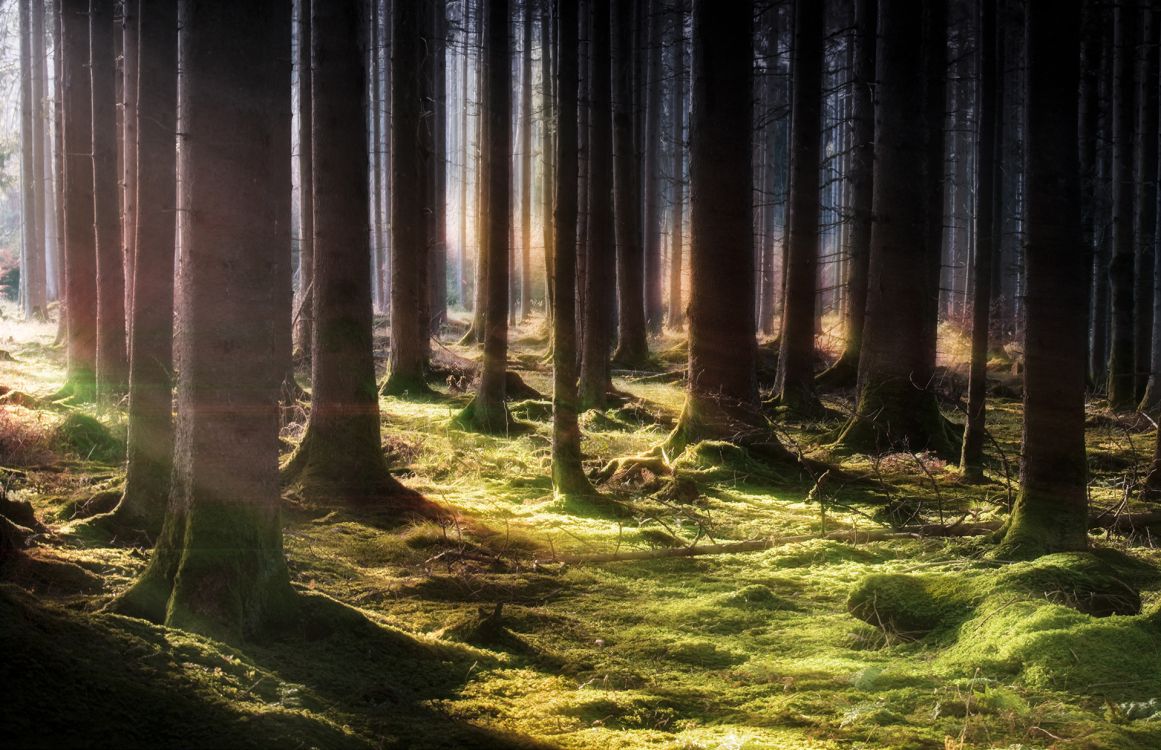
(676,312)
(303,306)
(1122,356)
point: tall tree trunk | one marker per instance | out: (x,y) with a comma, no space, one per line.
(55,252)
(465,158)
(219,567)
(1147,239)
(861,174)
(475,334)
(1102,206)
(935,120)
(1122,357)
(568,477)
(795,380)
(38,286)
(584,167)
(632,343)
(986,179)
(409,222)
(128,178)
(80,240)
(599,267)
(896,407)
(722,400)
(547,127)
(340,457)
(150,442)
(488,411)
(654,312)
(1051,513)
(31,174)
(437,259)
(769,180)
(676,312)
(112,355)
(303,305)
(526,167)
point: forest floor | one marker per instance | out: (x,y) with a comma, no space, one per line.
(477,633)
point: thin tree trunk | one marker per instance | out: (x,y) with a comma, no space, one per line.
(1122,358)
(303,305)
(654,312)
(488,411)
(1051,512)
(150,440)
(568,477)
(112,355)
(1147,152)
(437,262)
(80,239)
(33,294)
(987,176)
(547,126)
(128,178)
(526,167)
(632,343)
(409,223)
(795,381)
(340,457)
(219,568)
(676,313)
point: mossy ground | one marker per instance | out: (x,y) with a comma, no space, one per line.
(736,651)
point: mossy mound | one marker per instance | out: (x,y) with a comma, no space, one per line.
(89,438)
(531,410)
(1062,622)
(713,461)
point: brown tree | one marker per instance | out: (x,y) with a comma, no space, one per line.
(409,224)
(128,33)
(600,261)
(150,443)
(1122,381)
(303,321)
(488,411)
(218,567)
(1147,166)
(896,404)
(526,164)
(340,457)
(654,312)
(32,142)
(675,315)
(112,354)
(632,343)
(795,380)
(1051,512)
(80,241)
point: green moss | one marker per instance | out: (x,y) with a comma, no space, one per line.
(88,438)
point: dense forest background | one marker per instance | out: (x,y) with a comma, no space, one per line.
(609,373)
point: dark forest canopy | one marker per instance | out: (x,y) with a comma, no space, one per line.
(580,373)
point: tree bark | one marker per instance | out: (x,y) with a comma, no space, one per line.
(150,441)
(409,223)
(112,355)
(130,18)
(1122,358)
(568,477)
(654,312)
(340,456)
(304,307)
(1051,512)
(600,283)
(986,179)
(632,342)
(218,568)
(844,372)
(488,411)
(437,256)
(896,406)
(676,312)
(795,379)
(722,400)
(80,238)
(547,127)
(526,166)
(1147,212)
(32,293)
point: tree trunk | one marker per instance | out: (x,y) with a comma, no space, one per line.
(1122,357)
(547,127)
(437,257)
(219,568)
(408,200)
(935,121)
(1102,206)
(722,401)
(112,356)
(896,407)
(32,292)
(861,175)
(654,313)
(55,251)
(488,411)
(1147,237)
(526,167)
(1051,513)
(129,95)
(304,307)
(340,457)
(676,313)
(80,239)
(795,381)
(986,178)
(465,160)
(568,477)
(599,266)
(150,443)
(632,343)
